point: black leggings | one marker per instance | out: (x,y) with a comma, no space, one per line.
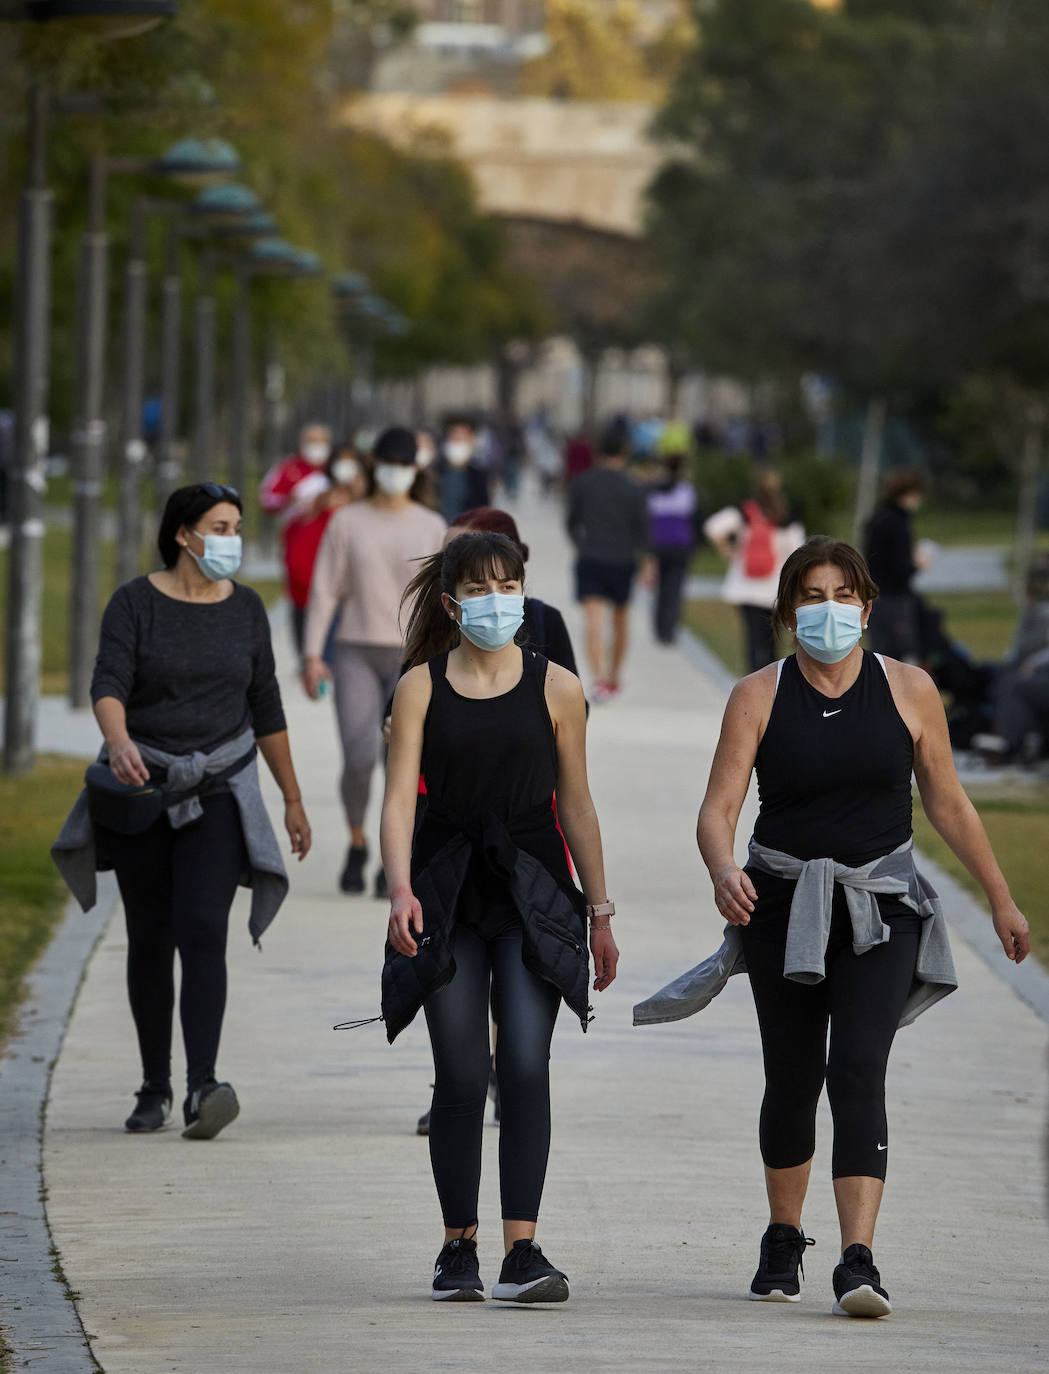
(862,998)
(457,1017)
(177,887)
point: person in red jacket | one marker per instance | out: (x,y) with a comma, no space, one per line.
(302,492)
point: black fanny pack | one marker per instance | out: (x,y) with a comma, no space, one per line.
(131,807)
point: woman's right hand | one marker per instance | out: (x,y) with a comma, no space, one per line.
(734,895)
(314,672)
(125,762)
(406,916)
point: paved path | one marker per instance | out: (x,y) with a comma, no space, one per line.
(303,1238)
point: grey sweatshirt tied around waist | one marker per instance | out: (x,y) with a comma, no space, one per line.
(74,850)
(808,932)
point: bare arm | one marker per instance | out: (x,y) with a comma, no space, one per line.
(746,716)
(949,808)
(326,588)
(576,813)
(276,750)
(410,702)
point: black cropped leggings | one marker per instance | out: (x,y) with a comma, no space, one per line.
(177,887)
(861,999)
(457,1016)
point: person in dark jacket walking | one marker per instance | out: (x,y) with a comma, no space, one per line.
(482,903)
(890,554)
(185,678)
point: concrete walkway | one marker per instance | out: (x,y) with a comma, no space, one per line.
(303,1238)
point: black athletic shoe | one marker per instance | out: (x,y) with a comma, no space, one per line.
(351,879)
(382,892)
(528,1276)
(422,1126)
(455,1275)
(782,1251)
(857,1285)
(208,1109)
(153,1109)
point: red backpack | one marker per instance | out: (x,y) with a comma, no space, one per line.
(759,547)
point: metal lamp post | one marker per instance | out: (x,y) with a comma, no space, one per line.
(111,18)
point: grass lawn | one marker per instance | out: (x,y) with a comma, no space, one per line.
(55,619)
(32,894)
(1018,827)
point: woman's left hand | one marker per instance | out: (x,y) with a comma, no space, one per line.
(298,828)
(606,957)
(1010,925)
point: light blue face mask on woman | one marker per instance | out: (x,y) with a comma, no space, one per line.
(221,556)
(830,631)
(491,621)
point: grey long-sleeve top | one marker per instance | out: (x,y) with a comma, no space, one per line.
(76,858)
(808,931)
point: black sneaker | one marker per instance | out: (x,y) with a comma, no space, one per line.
(351,879)
(382,892)
(422,1126)
(528,1276)
(153,1110)
(208,1109)
(782,1249)
(455,1275)
(857,1285)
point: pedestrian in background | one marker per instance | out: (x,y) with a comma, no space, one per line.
(607,521)
(891,556)
(294,491)
(184,692)
(463,483)
(483,907)
(676,525)
(755,538)
(365,561)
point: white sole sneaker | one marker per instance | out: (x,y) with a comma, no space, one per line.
(456,1295)
(862,1302)
(215,1112)
(777,1295)
(550,1288)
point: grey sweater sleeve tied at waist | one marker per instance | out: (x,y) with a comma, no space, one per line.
(808,931)
(74,850)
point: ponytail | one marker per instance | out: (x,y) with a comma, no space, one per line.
(472,556)
(431,630)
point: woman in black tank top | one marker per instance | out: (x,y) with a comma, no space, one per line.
(834,734)
(483,905)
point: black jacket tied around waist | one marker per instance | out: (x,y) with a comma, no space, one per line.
(554,944)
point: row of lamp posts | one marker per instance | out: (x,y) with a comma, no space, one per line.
(223,216)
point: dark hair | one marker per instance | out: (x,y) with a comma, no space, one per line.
(820,549)
(474,556)
(494,521)
(614,442)
(903,483)
(185,507)
(395,445)
(766,487)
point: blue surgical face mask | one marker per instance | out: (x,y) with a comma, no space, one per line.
(830,631)
(491,621)
(221,556)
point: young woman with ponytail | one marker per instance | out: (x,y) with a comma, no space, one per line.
(482,900)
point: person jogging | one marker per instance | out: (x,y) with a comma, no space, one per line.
(829,917)
(363,566)
(607,521)
(482,903)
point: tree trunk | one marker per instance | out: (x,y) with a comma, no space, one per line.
(870,464)
(1027,507)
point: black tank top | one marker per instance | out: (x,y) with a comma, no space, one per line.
(491,754)
(834,773)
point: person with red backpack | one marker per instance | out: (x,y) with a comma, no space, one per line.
(756,538)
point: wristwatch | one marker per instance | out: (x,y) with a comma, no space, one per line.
(600,909)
